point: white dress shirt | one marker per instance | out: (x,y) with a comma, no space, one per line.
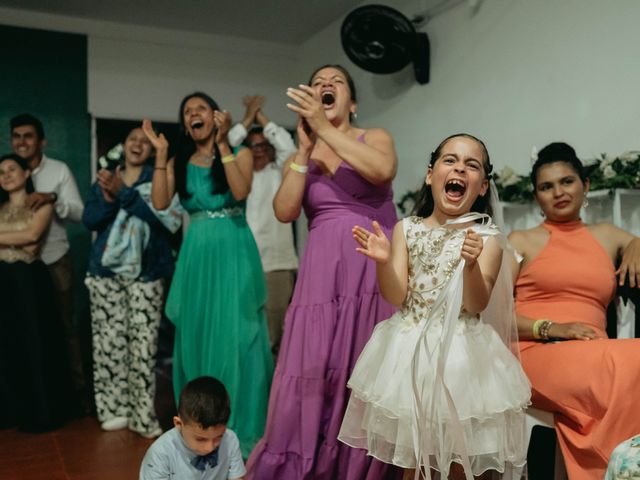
(169,458)
(274,239)
(55,176)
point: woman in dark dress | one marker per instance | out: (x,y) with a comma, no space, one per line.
(34,379)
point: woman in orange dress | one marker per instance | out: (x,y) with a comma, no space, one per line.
(565,282)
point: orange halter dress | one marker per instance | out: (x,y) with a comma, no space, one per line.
(592,387)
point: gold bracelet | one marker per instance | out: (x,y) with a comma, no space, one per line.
(536,328)
(298,168)
(228,158)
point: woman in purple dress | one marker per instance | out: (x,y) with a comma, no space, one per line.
(341,175)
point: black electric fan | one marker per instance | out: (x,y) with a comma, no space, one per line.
(380,39)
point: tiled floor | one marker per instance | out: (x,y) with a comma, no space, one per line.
(81,450)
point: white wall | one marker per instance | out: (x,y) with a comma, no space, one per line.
(518,73)
(136,72)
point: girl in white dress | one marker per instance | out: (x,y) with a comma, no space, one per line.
(438,385)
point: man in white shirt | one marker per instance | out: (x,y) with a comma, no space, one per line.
(270,145)
(54,183)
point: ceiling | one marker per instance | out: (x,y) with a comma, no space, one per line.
(283,21)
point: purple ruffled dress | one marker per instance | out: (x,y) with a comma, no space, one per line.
(335,306)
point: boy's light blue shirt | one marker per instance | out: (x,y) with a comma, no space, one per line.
(169,458)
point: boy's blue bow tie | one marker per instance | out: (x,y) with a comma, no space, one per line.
(201,461)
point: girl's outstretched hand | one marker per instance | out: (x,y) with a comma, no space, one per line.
(374,245)
(471,248)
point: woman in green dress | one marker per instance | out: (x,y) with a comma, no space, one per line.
(217,294)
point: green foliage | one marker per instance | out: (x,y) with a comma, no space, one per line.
(605,173)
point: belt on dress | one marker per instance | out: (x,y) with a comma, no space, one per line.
(222,213)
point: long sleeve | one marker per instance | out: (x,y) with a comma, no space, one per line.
(133,203)
(155,466)
(237,134)
(98,213)
(281,141)
(69,205)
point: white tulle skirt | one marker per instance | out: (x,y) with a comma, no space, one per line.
(485,380)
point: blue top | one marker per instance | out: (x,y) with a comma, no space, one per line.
(169,458)
(99,215)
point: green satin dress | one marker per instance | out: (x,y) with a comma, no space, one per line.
(216,303)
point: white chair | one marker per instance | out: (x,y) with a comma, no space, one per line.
(540,418)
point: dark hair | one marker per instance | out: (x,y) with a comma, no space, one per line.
(255,130)
(424,203)
(350,82)
(204,401)
(22,163)
(28,119)
(557,152)
(186,147)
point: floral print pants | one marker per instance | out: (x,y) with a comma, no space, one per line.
(125,317)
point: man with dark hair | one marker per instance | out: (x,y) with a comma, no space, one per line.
(270,146)
(200,446)
(54,184)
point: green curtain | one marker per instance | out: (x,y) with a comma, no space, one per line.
(45,73)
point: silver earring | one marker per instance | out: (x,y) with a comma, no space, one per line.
(355,115)
(585,202)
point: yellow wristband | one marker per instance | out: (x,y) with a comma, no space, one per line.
(536,328)
(228,158)
(298,168)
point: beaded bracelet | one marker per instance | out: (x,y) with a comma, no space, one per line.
(228,158)
(541,329)
(544,329)
(298,168)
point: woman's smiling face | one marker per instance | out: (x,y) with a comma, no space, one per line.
(137,148)
(197,118)
(12,176)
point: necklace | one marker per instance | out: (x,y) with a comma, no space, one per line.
(205,158)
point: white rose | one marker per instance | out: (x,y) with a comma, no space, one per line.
(512,180)
(507,177)
(629,157)
(608,172)
(116,152)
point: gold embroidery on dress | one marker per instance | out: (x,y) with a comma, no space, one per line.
(434,254)
(14,219)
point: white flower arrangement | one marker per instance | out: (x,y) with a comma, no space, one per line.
(608,172)
(513,187)
(605,172)
(112,156)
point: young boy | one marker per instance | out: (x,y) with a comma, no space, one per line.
(200,446)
